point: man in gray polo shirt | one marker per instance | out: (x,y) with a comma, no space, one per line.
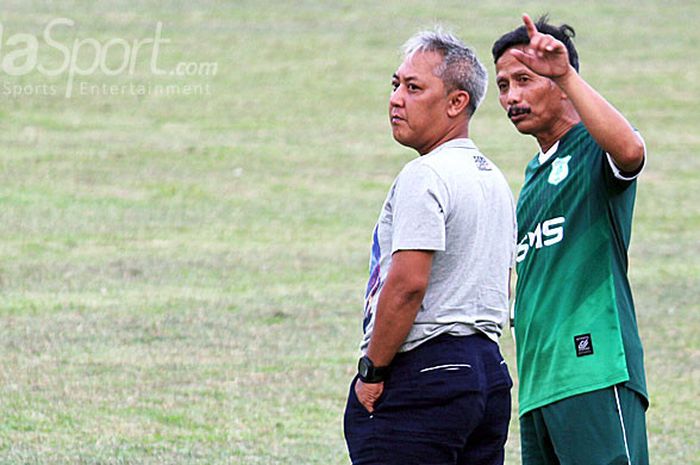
(432,387)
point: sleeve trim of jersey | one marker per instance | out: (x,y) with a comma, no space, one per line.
(623,176)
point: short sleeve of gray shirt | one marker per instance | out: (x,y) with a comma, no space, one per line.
(420,205)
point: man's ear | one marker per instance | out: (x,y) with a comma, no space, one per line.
(457,103)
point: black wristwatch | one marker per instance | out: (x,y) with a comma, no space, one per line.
(370,374)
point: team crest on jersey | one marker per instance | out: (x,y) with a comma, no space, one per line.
(560,170)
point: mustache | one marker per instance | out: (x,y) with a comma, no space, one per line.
(515,111)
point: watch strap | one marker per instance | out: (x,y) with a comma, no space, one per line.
(368,373)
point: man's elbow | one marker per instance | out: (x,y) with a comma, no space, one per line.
(631,158)
(409,275)
(412,289)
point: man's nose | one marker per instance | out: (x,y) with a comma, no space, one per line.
(396,99)
(514,96)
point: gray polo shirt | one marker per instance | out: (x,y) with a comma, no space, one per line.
(457,203)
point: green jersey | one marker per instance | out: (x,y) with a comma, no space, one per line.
(575,324)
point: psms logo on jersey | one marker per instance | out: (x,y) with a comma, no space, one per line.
(560,170)
(547,233)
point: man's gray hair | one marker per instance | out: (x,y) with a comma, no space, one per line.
(460,68)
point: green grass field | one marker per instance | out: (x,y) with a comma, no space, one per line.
(181,277)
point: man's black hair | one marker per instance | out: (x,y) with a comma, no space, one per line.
(518,36)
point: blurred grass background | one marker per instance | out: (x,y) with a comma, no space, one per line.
(181,277)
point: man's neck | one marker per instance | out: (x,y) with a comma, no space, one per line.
(456,132)
(548,138)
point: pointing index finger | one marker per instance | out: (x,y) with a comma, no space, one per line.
(529,25)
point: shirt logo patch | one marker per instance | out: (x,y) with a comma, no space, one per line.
(560,170)
(584,345)
(482,164)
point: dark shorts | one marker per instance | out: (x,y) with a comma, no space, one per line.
(606,426)
(445,402)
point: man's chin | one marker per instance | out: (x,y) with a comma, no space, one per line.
(399,136)
(408,143)
(523,127)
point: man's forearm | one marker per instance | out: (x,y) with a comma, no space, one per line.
(396,312)
(607,125)
(399,302)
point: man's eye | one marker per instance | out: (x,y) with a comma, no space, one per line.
(502,86)
(394,85)
(413,87)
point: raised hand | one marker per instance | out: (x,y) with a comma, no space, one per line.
(545,55)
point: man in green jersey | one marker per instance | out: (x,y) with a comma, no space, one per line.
(582,386)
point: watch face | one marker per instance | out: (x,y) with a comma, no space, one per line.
(363,368)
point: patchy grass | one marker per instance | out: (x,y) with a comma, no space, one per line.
(181,276)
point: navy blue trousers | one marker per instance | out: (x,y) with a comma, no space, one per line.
(445,402)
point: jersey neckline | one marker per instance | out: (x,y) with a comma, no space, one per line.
(543,158)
